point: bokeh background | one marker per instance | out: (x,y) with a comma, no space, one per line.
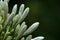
(47,12)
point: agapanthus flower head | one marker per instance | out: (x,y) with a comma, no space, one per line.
(10,23)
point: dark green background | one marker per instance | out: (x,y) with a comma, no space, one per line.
(47,12)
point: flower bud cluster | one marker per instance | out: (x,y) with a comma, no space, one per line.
(11,27)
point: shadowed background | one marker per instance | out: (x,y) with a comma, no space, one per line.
(47,12)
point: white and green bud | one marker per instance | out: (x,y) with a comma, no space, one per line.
(14,10)
(32,28)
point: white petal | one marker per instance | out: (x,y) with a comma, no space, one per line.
(17,29)
(21,31)
(1,4)
(21,9)
(32,28)
(6,8)
(24,14)
(29,37)
(38,38)
(14,10)
(9,19)
(23,38)
(22,24)
(16,18)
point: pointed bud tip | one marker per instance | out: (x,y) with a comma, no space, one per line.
(36,23)
(15,5)
(39,38)
(27,8)
(22,5)
(30,35)
(14,10)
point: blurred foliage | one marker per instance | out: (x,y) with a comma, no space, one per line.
(47,12)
